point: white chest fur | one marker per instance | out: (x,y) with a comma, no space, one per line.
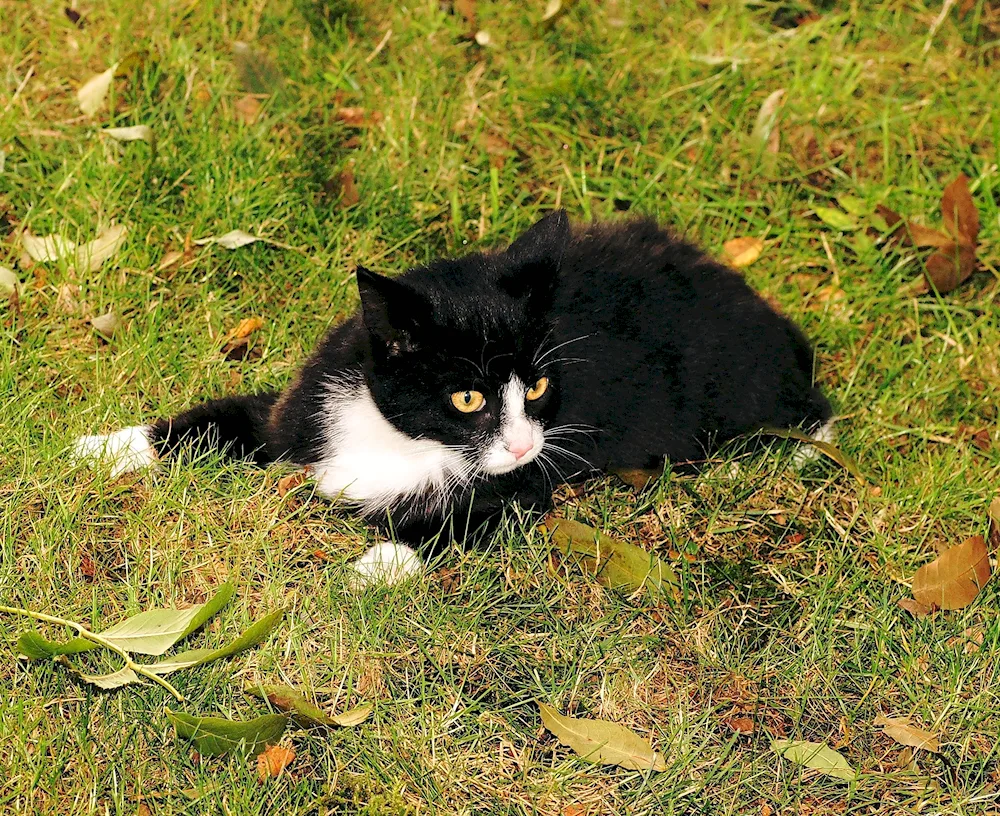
(368,461)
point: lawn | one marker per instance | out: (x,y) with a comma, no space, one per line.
(386,134)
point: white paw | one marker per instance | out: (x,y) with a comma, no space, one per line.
(386,564)
(123,451)
(807,453)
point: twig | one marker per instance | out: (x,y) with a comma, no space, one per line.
(84,632)
(379,47)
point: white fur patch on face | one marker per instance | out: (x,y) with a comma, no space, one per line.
(807,453)
(386,564)
(123,451)
(369,461)
(519,439)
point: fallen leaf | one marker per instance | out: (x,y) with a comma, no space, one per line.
(949,268)
(899,729)
(247,109)
(742,252)
(246,327)
(637,478)
(602,742)
(122,677)
(349,195)
(130,134)
(921,236)
(853,205)
(815,755)
(554,9)
(46,249)
(826,448)
(288,483)
(94,91)
(765,131)
(958,210)
(214,735)
(170,258)
(741,725)
(837,219)
(106,324)
(91,256)
(74,17)
(914,607)
(467,8)
(234,239)
(273,761)
(615,563)
(253,636)
(287,699)
(8,282)
(953,579)
(358,117)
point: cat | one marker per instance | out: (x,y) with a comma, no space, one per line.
(469,384)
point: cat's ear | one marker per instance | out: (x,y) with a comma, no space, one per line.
(388,308)
(544,244)
(533,260)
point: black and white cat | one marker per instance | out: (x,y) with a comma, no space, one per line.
(468,384)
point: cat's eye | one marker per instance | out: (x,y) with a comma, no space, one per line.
(538,388)
(468,402)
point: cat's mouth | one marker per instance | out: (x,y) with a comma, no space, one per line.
(508,453)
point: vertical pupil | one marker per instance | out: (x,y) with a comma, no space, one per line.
(468,397)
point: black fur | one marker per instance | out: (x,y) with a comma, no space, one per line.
(651,348)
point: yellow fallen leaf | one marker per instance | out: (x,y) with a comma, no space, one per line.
(899,729)
(92,93)
(273,761)
(602,742)
(742,252)
(953,579)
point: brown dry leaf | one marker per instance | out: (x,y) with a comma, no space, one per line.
(961,218)
(899,729)
(915,608)
(273,761)
(950,267)
(247,109)
(467,8)
(358,117)
(349,195)
(953,579)
(741,725)
(171,258)
(742,252)
(288,483)
(497,148)
(246,327)
(106,324)
(921,236)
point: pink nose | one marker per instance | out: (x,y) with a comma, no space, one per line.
(519,448)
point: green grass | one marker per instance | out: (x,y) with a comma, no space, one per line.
(789,612)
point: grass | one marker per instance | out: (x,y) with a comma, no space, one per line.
(789,612)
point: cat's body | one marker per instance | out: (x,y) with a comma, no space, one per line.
(472,383)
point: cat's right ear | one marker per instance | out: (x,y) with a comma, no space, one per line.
(386,308)
(544,243)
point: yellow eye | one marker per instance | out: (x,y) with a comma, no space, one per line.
(538,388)
(468,402)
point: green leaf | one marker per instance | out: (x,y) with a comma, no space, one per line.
(836,218)
(616,564)
(637,478)
(214,735)
(835,453)
(122,677)
(33,646)
(815,755)
(288,699)
(854,205)
(156,630)
(602,742)
(198,657)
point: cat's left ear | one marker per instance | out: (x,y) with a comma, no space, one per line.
(544,244)
(533,260)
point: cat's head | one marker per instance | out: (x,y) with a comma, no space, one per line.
(459,349)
